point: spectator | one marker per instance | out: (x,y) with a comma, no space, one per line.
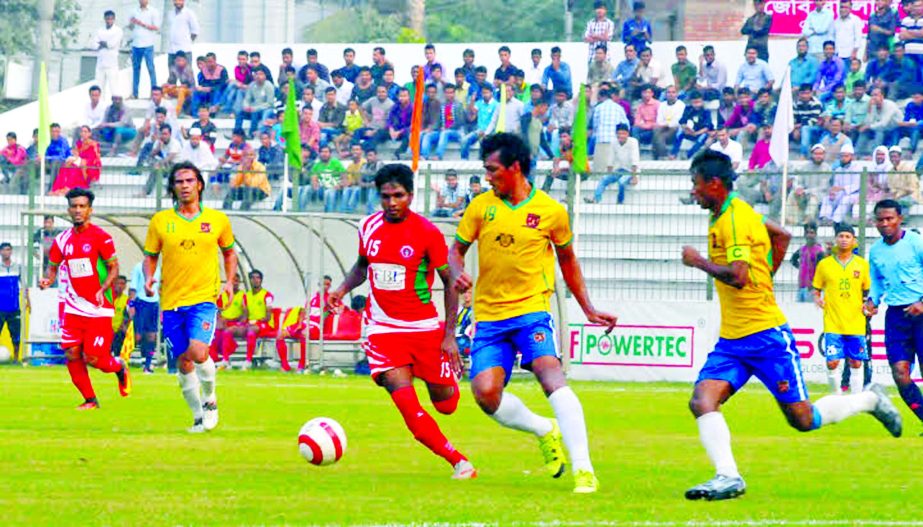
(844,193)
(237,88)
(213,80)
(912,125)
(818,29)
(376,111)
(834,140)
(882,25)
(462,88)
(728,147)
(561,116)
(805,259)
(81,168)
(907,74)
(645,116)
(881,71)
(452,129)
(533,132)
(506,69)
(12,282)
(106,42)
(469,67)
(57,152)
(353,124)
(856,111)
(288,57)
(249,185)
(807,112)
(181,82)
(116,125)
(712,76)
(44,238)
(184,28)
(599,30)
(259,98)
(877,186)
(533,72)
(804,67)
(13,160)
(646,75)
(343,87)
(165,153)
(558,73)
(667,122)
(911,34)
(903,183)
(399,122)
(323,73)
(94,112)
(754,73)
(759,157)
(563,163)
(199,154)
(353,189)
(150,138)
(450,198)
(437,81)
(231,159)
(379,64)
(432,120)
(853,74)
(804,200)
(684,73)
(367,180)
(600,69)
(847,33)
(308,100)
(207,127)
(626,69)
(481,113)
(271,156)
(480,80)
(429,53)
(349,68)
(764,109)
(514,111)
(475,189)
(309,133)
(326,181)
(144,26)
(619,163)
(695,124)
(742,123)
(32,151)
(836,106)
(637,30)
(880,126)
(757,30)
(330,117)
(388,82)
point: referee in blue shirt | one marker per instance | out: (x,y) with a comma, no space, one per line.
(897,276)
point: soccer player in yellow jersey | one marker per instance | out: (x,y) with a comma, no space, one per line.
(519,229)
(744,251)
(841,283)
(188,237)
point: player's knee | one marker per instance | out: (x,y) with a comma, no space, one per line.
(487,398)
(448,406)
(832,364)
(700,406)
(71,354)
(802,423)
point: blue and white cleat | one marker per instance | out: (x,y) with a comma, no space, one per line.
(718,488)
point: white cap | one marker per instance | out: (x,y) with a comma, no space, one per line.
(195,132)
(847,149)
(895,148)
(818,146)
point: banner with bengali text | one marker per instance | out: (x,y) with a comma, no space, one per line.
(788,16)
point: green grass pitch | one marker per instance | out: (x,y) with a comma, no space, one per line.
(132,463)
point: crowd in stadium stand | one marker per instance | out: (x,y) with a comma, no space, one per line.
(354,116)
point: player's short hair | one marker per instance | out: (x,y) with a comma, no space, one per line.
(80,193)
(511,148)
(555,49)
(348,50)
(328,277)
(256,272)
(394,173)
(504,48)
(287,51)
(94,88)
(11,135)
(429,46)
(379,49)
(888,204)
(680,48)
(109,12)
(710,164)
(184,165)
(536,51)
(255,54)
(708,48)
(810,225)
(122,277)
(5,245)
(829,43)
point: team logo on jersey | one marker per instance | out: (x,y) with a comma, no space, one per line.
(538,337)
(505,240)
(187,244)
(206,227)
(206,325)
(783,386)
(855,274)
(406,251)
(532,220)
(86,247)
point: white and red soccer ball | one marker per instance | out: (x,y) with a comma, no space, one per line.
(322,441)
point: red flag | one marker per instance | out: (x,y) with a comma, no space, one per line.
(416,121)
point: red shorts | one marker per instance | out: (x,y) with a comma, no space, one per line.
(422,351)
(92,334)
(263,328)
(233,324)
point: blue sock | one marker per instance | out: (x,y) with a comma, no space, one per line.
(910,393)
(816,421)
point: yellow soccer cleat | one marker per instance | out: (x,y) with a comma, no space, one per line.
(553,451)
(585,482)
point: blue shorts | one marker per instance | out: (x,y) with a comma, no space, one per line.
(496,342)
(186,323)
(903,335)
(850,346)
(145,316)
(771,355)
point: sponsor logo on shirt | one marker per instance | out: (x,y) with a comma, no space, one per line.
(505,240)
(532,220)
(187,244)
(206,227)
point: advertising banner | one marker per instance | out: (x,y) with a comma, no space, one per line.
(788,16)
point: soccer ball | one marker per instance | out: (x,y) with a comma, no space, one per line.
(5,354)
(322,441)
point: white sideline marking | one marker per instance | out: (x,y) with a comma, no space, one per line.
(711,523)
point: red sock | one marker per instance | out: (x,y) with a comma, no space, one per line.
(216,341)
(282,349)
(107,364)
(228,347)
(251,344)
(81,378)
(423,427)
(303,359)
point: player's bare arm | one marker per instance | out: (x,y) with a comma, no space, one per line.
(461,279)
(354,278)
(573,277)
(230,269)
(50,276)
(779,238)
(150,265)
(449,345)
(735,275)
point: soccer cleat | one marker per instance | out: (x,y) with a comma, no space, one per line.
(210,419)
(465,470)
(223,365)
(553,451)
(718,488)
(89,404)
(124,378)
(246,365)
(585,482)
(197,427)
(886,412)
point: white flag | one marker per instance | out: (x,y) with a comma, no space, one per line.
(784,123)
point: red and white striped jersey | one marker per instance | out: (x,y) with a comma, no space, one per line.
(84,254)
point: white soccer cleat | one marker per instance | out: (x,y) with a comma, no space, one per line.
(197,427)
(210,418)
(246,365)
(464,470)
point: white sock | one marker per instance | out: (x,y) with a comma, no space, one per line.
(206,374)
(834,377)
(835,409)
(856,379)
(569,412)
(512,413)
(189,383)
(716,438)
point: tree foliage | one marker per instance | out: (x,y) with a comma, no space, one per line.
(19,25)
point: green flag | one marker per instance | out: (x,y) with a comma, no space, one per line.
(44,116)
(291,132)
(581,166)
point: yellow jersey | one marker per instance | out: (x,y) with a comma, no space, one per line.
(258,304)
(189,248)
(515,254)
(844,287)
(738,234)
(233,309)
(120,304)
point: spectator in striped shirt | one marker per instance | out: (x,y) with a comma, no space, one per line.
(807,112)
(598,30)
(911,34)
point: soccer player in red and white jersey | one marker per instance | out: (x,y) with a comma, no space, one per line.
(399,251)
(88,254)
